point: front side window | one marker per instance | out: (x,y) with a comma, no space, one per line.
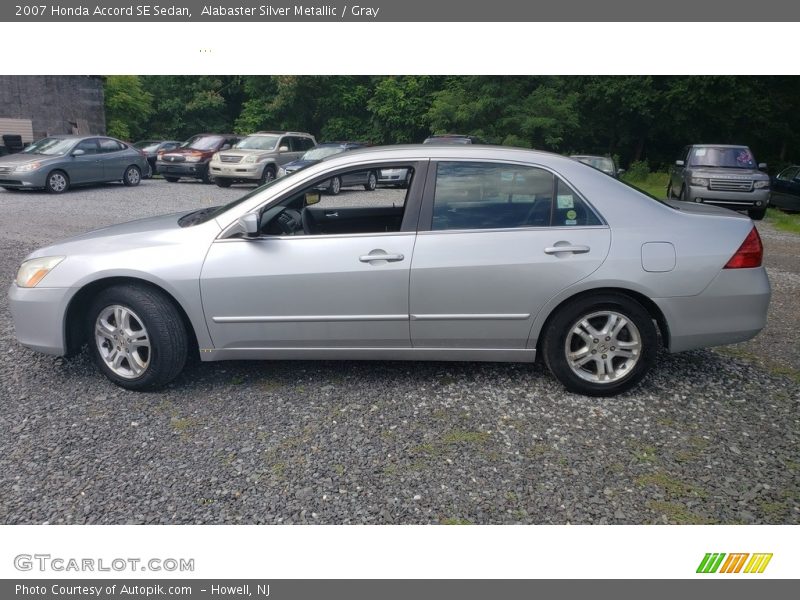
(502,196)
(88,146)
(788,174)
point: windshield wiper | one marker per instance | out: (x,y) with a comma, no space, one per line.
(198,216)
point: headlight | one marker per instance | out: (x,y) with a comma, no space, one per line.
(215,158)
(758,185)
(194,158)
(28,167)
(701,181)
(250,159)
(31,272)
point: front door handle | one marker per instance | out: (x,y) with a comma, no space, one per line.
(377,255)
(567,248)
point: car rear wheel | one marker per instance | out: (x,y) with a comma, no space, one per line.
(372,181)
(132,176)
(222,182)
(757,213)
(172,179)
(137,337)
(601,345)
(57,182)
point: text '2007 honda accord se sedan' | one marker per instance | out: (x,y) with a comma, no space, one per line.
(490,254)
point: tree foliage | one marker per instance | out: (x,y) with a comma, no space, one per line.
(637,118)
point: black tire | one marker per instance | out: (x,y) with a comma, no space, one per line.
(172,179)
(207,177)
(372,181)
(757,213)
(164,328)
(563,327)
(267,175)
(335,186)
(57,182)
(684,196)
(132,176)
(222,182)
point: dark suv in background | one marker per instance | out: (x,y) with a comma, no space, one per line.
(191,158)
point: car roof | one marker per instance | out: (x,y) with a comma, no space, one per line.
(589,156)
(358,144)
(280,133)
(719,145)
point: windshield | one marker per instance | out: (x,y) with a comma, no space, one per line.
(732,157)
(598,162)
(320,153)
(50,146)
(202,142)
(258,142)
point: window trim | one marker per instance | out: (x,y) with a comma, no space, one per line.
(426,213)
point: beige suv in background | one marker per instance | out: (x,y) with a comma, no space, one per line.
(256,158)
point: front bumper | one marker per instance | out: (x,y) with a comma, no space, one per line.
(30,180)
(250,171)
(735,200)
(38,315)
(733,308)
(185,169)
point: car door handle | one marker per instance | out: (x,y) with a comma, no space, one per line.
(368,258)
(566,248)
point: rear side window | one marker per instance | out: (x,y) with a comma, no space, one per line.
(109,145)
(501,196)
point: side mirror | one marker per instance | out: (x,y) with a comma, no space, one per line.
(679,163)
(762,166)
(283,149)
(78,152)
(312,198)
(248,224)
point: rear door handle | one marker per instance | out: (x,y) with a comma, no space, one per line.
(571,249)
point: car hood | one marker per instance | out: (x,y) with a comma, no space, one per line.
(15,160)
(151,231)
(299,164)
(728,173)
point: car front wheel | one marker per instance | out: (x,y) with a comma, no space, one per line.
(601,345)
(222,182)
(137,337)
(57,182)
(757,213)
(132,176)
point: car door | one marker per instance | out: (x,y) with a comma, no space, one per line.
(785,191)
(311,291)
(86,166)
(501,240)
(114,158)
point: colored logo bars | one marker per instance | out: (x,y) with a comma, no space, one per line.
(734,562)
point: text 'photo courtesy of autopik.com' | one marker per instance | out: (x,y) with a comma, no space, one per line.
(241,296)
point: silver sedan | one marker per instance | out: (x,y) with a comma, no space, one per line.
(490,254)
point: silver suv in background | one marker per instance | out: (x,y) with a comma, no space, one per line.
(723,175)
(257,158)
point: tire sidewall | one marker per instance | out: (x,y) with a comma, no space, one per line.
(158,316)
(49,187)
(372,182)
(553,344)
(126,178)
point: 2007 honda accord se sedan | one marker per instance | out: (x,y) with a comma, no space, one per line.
(490,254)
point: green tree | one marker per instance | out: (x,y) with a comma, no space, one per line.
(128,106)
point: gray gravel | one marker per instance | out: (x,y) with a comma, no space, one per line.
(711,437)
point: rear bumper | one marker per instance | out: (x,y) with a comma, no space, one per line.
(38,315)
(733,308)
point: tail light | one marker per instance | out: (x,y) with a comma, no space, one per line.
(749,254)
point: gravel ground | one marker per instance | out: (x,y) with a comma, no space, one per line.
(711,437)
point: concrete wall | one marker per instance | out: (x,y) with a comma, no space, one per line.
(54,103)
